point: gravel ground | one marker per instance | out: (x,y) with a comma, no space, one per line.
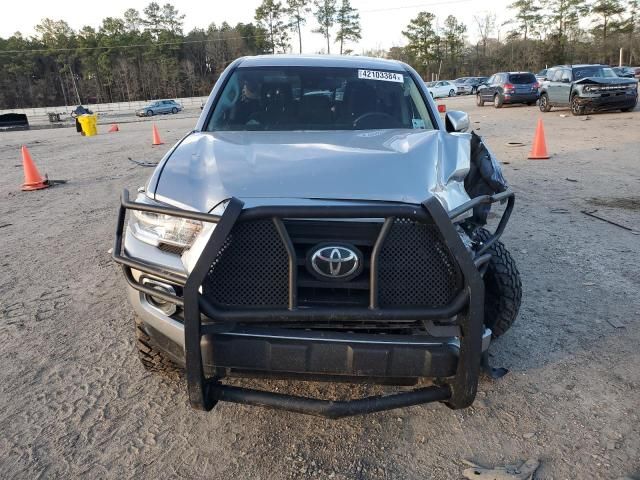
(75,401)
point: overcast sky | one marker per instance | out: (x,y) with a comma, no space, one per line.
(382,20)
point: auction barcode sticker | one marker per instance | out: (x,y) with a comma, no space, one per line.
(378,75)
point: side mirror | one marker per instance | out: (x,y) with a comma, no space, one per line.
(456,121)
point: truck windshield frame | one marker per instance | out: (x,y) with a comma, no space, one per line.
(288,98)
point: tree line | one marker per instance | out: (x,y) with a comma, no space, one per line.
(147,55)
(539,33)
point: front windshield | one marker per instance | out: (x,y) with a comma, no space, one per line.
(593,71)
(317,98)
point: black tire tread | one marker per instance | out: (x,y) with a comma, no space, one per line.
(151,358)
(503,287)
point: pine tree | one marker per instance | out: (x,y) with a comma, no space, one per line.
(348,20)
(298,9)
(606,12)
(527,17)
(453,36)
(566,15)
(325,14)
(422,38)
(270,16)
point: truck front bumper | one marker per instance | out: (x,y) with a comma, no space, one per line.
(609,101)
(322,355)
(212,343)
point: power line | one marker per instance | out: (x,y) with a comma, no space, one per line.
(212,40)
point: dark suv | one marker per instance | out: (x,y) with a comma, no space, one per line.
(508,87)
(586,88)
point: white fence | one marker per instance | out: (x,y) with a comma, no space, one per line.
(102,107)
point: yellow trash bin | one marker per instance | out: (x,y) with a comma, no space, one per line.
(89,124)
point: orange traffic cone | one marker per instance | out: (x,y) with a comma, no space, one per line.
(156,136)
(114,128)
(32,178)
(539,150)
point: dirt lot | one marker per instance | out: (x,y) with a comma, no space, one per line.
(75,401)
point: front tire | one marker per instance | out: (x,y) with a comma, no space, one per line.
(576,108)
(149,113)
(452,93)
(479,100)
(544,104)
(174,110)
(503,288)
(152,359)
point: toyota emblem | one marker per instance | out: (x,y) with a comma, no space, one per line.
(335,262)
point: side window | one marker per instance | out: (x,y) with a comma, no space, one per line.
(566,75)
(491,79)
(549,74)
(557,76)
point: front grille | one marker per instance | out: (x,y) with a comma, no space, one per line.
(251,269)
(416,269)
(306,234)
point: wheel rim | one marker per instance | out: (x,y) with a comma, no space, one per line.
(451,93)
(575,107)
(478,99)
(543,102)
(496,100)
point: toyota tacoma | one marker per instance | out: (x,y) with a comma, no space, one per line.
(322,223)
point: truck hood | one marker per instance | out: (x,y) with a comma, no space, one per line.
(409,166)
(606,81)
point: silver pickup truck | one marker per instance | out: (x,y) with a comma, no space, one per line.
(321,222)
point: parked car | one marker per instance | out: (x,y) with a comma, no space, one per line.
(586,88)
(159,107)
(442,88)
(625,72)
(470,85)
(509,88)
(320,237)
(541,75)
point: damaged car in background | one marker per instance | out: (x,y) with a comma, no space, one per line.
(587,88)
(321,223)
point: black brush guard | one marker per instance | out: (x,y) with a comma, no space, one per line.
(468,307)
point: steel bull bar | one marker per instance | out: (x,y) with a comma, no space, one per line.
(467,308)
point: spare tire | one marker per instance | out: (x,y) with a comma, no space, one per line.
(502,287)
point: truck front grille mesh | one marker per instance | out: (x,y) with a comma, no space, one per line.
(416,269)
(251,269)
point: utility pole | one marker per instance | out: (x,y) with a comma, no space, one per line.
(620,60)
